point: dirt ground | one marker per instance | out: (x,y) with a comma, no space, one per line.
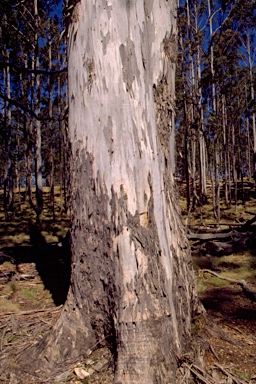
(32,312)
(34,284)
(236,316)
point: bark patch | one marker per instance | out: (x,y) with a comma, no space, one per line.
(129,62)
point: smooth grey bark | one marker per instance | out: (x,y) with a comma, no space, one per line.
(132,281)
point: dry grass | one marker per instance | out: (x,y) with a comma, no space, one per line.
(16,231)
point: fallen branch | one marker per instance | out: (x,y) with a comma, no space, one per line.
(251,295)
(234,235)
(210,236)
(200,374)
(227,224)
(235,379)
(36,311)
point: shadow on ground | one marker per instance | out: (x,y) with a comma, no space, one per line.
(53,261)
(229,302)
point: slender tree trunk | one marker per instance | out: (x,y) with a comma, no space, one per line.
(202,146)
(225,149)
(250,59)
(186,127)
(28,134)
(193,169)
(248,149)
(212,58)
(202,157)
(17,171)
(186,157)
(213,187)
(217,186)
(234,166)
(8,174)
(38,144)
(193,126)
(131,269)
(51,133)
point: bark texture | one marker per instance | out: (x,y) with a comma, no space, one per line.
(132,280)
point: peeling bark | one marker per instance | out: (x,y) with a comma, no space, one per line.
(132,281)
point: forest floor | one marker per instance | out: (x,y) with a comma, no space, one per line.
(32,294)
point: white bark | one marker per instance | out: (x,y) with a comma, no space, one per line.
(118,55)
(112,111)
(250,60)
(210,16)
(131,268)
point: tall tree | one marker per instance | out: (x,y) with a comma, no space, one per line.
(38,135)
(215,93)
(132,279)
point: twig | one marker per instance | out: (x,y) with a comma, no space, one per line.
(194,370)
(234,328)
(214,352)
(222,277)
(2,338)
(251,295)
(31,312)
(23,348)
(230,374)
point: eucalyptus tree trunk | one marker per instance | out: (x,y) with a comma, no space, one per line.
(131,278)
(202,144)
(225,150)
(28,130)
(50,130)
(186,154)
(234,171)
(8,169)
(210,16)
(193,168)
(186,126)
(38,138)
(248,151)
(248,47)
(194,132)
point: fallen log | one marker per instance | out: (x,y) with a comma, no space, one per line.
(217,235)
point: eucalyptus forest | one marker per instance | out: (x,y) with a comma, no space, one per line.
(33,101)
(215,99)
(215,90)
(132,116)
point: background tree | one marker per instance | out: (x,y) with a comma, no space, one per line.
(215,94)
(33,94)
